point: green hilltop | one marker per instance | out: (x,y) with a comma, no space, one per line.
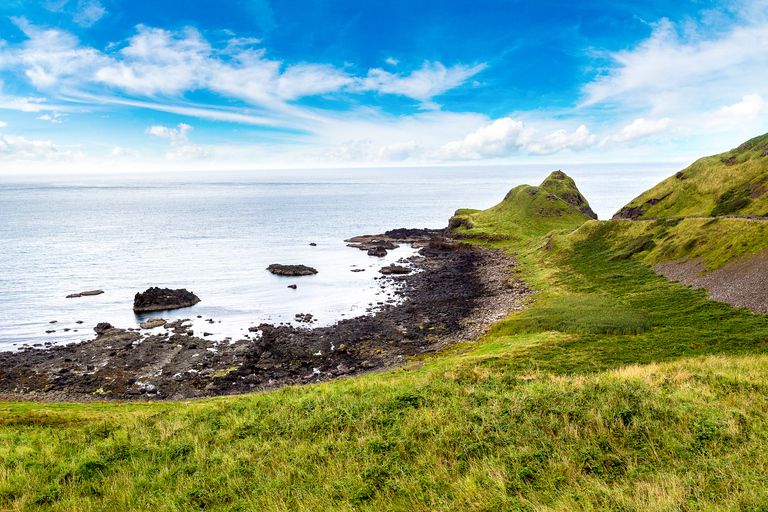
(528,211)
(731,183)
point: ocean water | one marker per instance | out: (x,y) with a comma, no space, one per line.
(215,234)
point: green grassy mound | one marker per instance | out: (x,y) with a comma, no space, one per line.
(731,183)
(527,212)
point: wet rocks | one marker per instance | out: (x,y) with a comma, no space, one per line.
(152,323)
(85,294)
(455,296)
(394,269)
(291,270)
(377,251)
(162,299)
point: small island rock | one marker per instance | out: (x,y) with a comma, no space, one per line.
(291,270)
(161,299)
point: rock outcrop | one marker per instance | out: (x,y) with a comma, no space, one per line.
(162,299)
(291,270)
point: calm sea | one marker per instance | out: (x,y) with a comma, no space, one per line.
(215,234)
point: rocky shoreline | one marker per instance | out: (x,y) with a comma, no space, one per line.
(455,293)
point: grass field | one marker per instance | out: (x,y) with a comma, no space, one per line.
(618,390)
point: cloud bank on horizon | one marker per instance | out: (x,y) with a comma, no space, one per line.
(107,84)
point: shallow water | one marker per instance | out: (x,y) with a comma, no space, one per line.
(215,234)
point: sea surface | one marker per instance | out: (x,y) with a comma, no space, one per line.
(215,234)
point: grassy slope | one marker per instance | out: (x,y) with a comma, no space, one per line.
(732,183)
(618,391)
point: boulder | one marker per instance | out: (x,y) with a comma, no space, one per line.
(161,299)
(152,323)
(291,270)
(102,327)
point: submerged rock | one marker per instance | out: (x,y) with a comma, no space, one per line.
(161,299)
(291,270)
(85,294)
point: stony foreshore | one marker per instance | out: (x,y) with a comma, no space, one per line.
(457,292)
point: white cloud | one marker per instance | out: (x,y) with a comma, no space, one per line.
(423,84)
(19,148)
(88,12)
(560,140)
(503,137)
(681,69)
(748,110)
(22,104)
(55,118)
(159,62)
(3,124)
(50,57)
(401,151)
(85,12)
(391,61)
(181,148)
(641,128)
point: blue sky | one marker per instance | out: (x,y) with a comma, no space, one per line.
(113,85)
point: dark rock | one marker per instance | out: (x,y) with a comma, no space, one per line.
(679,175)
(161,299)
(358,270)
(395,269)
(102,327)
(292,286)
(291,270)
(377,251)
(313,244)
(629,213)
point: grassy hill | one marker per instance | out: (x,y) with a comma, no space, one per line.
(527,212)
(618,390)
(731,183)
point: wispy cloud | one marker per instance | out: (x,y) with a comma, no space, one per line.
(683,69)
(423,84)
(157,63)
(84,12)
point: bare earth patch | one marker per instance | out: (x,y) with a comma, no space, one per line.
(742,282)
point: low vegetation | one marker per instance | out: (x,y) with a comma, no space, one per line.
(617,390)
(731,183)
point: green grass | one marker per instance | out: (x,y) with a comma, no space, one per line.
(731,183)
(618,390)
(576,314)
